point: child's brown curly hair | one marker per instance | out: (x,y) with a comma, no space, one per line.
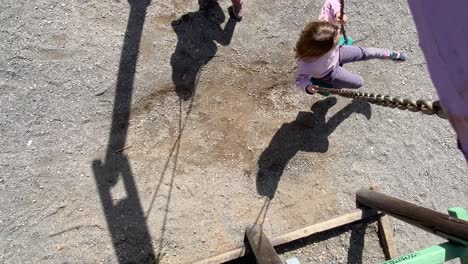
(317,38)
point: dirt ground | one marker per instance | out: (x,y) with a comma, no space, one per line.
(213,126)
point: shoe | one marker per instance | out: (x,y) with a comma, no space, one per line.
(398,56)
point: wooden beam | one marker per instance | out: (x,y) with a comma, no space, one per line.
(387,238)
(341,220)
(348,218)
(232,254)
(261,246)
(386,233)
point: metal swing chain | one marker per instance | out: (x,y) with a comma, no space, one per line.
(343,31)
(426,107)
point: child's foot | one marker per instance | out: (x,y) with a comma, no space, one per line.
(398,56)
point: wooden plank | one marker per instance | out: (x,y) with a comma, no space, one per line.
(386,235)
(232,254)
(261,246)
(348,218)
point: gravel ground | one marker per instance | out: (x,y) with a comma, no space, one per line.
(213,124)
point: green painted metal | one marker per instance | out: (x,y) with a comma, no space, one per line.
(342,41)
(440,253)
(464,260)
(459,213)
(434,255)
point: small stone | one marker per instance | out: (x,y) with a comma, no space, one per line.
(101,91)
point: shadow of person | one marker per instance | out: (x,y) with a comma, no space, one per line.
(309,132)
(196,36)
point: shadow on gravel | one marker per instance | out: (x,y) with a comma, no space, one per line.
(356,243)
(309,132)
(169,182)
(197,33)
(125,217)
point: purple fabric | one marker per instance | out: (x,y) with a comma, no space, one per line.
(353,53)
(443,37)
(342,78)
(315,68)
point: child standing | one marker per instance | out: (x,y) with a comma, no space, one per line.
(319,58)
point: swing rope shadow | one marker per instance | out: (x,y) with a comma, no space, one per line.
(173,154)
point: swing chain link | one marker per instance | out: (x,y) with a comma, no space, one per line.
(426,107)
(343,30)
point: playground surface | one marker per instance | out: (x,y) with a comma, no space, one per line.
(198,167)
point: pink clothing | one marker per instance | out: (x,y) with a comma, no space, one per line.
(329,10)
(237,8)
(316,68)
(443,39)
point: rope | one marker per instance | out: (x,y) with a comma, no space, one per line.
(343,31)
(424,106)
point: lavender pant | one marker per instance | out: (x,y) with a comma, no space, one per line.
(342,78)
